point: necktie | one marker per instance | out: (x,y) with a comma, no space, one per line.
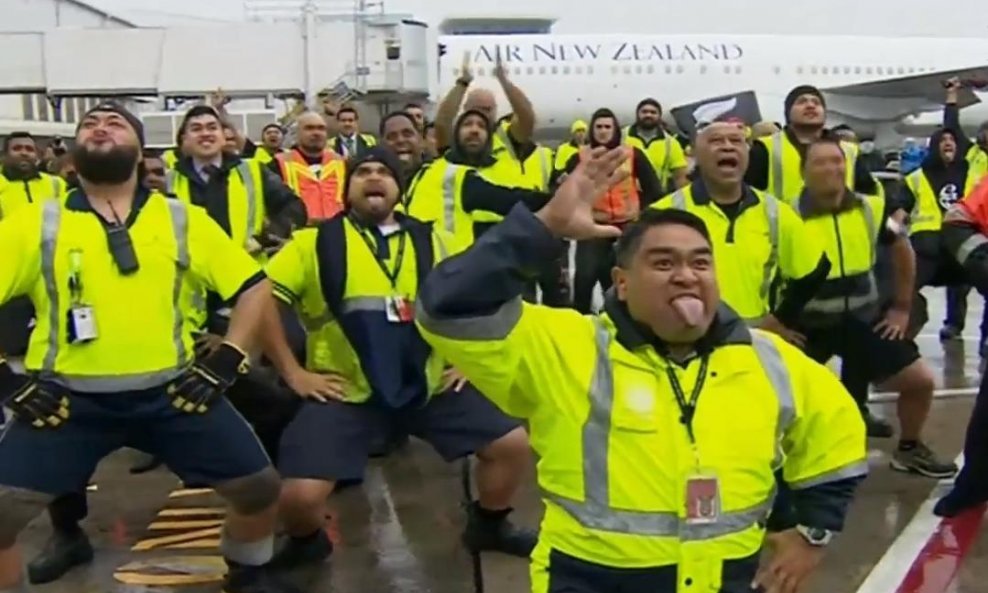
(351,148)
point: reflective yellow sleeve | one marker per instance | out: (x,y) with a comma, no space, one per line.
(223,265)
(292,269)
(20,244)
(799,249)
(677,157)
(513,355)
(825,439)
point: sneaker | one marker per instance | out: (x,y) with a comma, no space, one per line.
(949,332)
(62,553)
(921,460)
(488,531)
(878,428)
(301,551)
(255,579)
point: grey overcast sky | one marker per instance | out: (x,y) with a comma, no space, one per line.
(855,17)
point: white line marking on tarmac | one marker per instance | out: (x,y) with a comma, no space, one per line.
(888,574)
(880,397)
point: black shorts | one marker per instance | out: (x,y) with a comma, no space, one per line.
(332,441)
(207,449)
(856,341)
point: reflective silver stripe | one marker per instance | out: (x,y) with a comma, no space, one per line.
(170,178)
(595,510)
(679,200)
(51,218)
(315,323)
(754,322)
(772,214)
(666,169)
(546,169)
(54,185)
(778,376)
(180,229)
(116,383)
(487,328)
(441,247)
(842,304)
(449,197)
(775,185)
(968,247)
(251,189)
(364,304)
(852,470)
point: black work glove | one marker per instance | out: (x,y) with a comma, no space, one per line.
(42,404)
(205,381)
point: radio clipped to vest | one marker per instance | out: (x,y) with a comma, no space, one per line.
(81,321)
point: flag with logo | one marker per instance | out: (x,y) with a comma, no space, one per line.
(740,107)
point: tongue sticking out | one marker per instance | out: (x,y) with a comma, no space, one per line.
(690,310)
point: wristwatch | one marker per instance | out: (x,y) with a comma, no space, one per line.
(815,536)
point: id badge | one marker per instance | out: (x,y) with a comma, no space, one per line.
(82,324)
(400,310)
(702,499)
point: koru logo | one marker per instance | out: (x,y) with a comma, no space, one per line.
(948,196)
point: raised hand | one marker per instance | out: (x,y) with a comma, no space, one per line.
(570,211)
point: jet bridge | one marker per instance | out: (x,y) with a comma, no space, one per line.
(378,59)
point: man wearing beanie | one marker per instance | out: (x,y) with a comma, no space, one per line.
(368,370)
(776,160)
(663,151)
(111,363)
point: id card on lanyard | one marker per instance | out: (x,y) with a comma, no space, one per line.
(397,308)
(702,496)
(81,322)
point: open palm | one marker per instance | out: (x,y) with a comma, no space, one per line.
(570,211)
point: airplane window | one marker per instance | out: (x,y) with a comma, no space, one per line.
(857,69)
(737,69)
(813,69)
(868,70)
(727,69)
(847,69)
(799,69)
(614,69)
(555,70)
(627,69)
(679,69)
(824,70)
(638,69)
(530,71)
(566,70)
(668,69)
(542,70)
(480,72)
(589,69)
(703,69)
(650,69)
(578,70)
(517,70)
(879,70)
(901,70)
(777,70)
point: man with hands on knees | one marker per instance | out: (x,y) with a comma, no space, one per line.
(111,270)
(660,424)
(353,280)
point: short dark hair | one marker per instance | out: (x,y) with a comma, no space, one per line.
(412,106)
(392,115)
(151,153)
(196,111)
(825,140)
(19,135)
(631,239)
(347,109)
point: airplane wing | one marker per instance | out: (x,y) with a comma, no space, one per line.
(894,98)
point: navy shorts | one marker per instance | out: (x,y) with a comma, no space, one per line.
(332,441)
(203,449)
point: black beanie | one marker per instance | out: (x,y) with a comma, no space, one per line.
(114,107)
(649,101)
(796,93)
(376,154)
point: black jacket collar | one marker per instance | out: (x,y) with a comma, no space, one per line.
(701,196)
(807,207)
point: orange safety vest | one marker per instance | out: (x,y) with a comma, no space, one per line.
(621,203)
(322,194)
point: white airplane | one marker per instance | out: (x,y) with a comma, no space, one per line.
(889,86)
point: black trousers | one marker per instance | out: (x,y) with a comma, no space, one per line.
(972,481)
(552,281)
(594,262)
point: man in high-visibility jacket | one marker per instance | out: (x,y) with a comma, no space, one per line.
(566,150)
(662,149)
(354,280)
(272,139)
(756,236)
(21,180)
(645,490)
(313,171)
(618,206)
(847,317)
(965,235)
(775,160)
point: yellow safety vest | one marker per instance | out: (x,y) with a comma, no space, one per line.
(977,160)
(660,153)
(15,194)
(170,158)
(749,252)
(536,171)
(245,198)
(436,195)
(144,336)
(927,214)
(850,239)
(564,153)
(785,175)
(294,271)
(614,455)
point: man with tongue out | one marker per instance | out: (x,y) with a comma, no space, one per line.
(659,423)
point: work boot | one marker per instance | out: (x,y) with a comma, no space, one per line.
(300,551)
(491,531)
(921,460)
(62,552)
(255,579)
(958,501)
(877,428)
(949,332)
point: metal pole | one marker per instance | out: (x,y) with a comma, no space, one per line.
(310,25)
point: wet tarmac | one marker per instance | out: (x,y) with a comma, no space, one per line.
(399,532)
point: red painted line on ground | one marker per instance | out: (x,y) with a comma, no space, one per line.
(937,565)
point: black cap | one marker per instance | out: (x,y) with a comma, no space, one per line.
(796,93)
(114,107)
(376,154)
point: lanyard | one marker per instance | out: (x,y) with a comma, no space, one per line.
(392,275)
(688,408)
(75,276)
